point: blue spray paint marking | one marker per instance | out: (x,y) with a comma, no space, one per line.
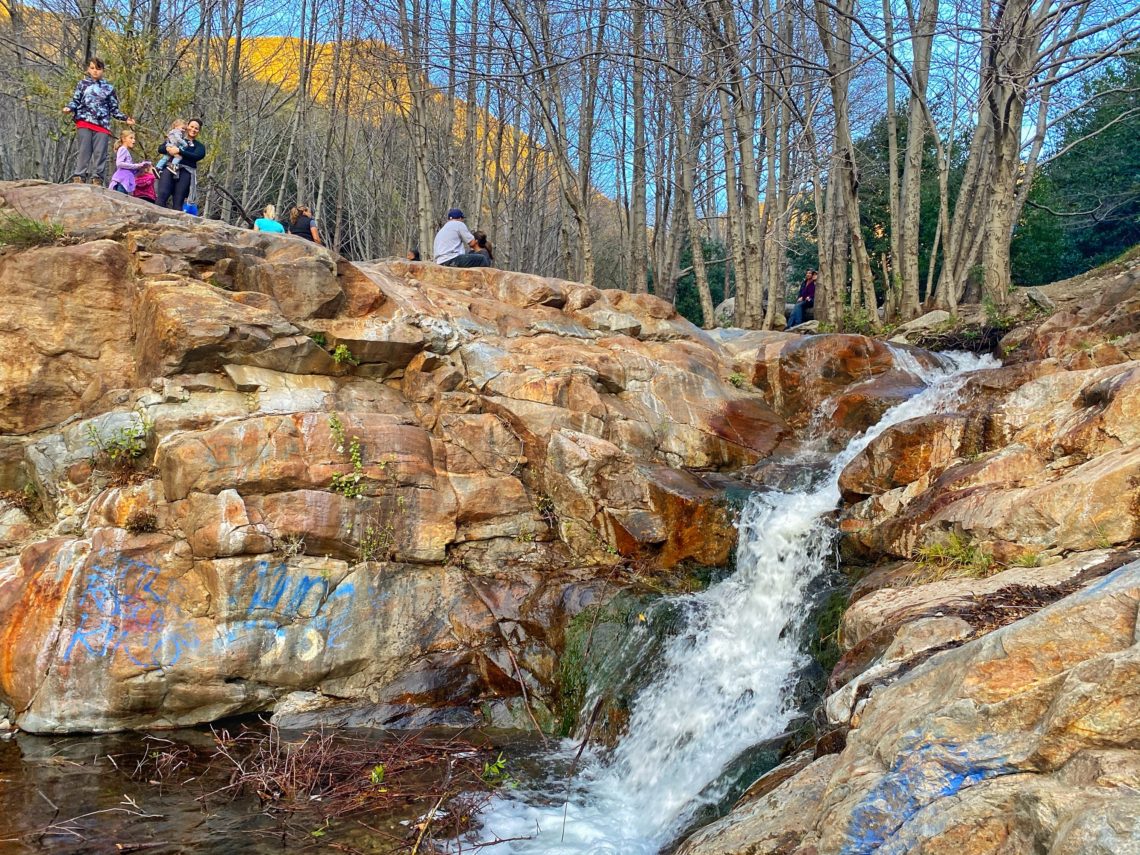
(267,596)
(919,775)
(127,606)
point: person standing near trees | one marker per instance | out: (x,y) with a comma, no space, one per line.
(176,189)
(453,241)
(124,179)
(93,105)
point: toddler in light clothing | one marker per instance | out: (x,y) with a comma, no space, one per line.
(176,137)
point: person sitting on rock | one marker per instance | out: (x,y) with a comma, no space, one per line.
(303,224)
(453,241)
(267,222)
(483,247)
(805,301)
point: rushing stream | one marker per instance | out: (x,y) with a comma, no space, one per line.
(723,684)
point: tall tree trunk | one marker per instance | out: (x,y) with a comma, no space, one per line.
(922,39)
(892,280)
(638,228)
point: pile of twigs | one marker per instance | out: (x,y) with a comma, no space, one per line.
(310,780)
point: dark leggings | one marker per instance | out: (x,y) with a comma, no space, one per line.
(176,186)
(468,259)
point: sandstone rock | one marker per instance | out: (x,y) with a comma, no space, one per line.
(64,327)
(797,376)
(928,322)
(776,823)
(273,453)
(184,327)
(978,750)
(724,315)
(16,527)
(894,607)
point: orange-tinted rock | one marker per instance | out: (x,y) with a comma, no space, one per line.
(186,327)
(65,326)
(798,374)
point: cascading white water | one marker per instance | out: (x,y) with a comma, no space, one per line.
(724,680)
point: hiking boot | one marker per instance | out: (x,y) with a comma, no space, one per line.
(173,170)
(77,179)
(96,182)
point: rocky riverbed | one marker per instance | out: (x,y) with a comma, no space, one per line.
(243,475)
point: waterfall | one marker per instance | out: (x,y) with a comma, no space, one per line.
(723,682)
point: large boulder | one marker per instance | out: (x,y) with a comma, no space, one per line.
(845,382)
(65,331)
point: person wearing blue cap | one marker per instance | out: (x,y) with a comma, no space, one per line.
(453,241)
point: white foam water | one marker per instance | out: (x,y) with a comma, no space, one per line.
(723,682)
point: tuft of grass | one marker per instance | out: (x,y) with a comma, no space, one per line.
(1027,559)
(291,545)
(954,557)
(737,379)
(24,232)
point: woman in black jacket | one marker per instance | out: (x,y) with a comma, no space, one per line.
(176,188)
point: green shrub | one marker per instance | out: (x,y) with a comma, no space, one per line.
(124,447)
(23,232)
(342,354)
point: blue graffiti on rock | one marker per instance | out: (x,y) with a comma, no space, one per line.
(126,606)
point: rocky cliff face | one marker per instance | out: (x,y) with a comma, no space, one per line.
(243,475)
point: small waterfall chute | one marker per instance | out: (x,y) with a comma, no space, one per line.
(723,684)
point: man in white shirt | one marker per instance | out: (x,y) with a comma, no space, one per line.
(452,242)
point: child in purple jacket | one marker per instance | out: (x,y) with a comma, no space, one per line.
(126,170)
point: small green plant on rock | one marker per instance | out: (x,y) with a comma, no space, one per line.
(24,232)
(124,447)
(341,354)
(1027,559)
(351,485)
(997,316)
(376,542)
(318,338)
(859,321)
(544,507)
(737,379)
(291,545)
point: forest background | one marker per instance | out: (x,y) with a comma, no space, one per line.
(919,156)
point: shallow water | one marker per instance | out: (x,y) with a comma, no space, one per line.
(82,794)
